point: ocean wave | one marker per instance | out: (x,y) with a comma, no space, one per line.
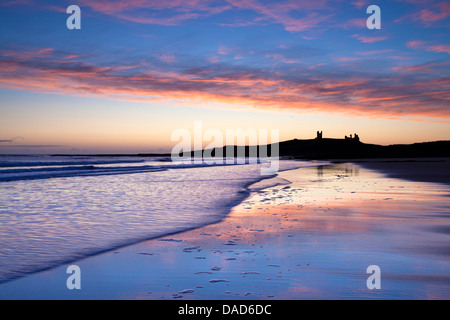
(15,163)
(41,168)
(72,171)
(45,223)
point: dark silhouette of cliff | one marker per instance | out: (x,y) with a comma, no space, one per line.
(328,148)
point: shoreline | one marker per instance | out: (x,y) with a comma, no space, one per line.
(273,245)
(220,208)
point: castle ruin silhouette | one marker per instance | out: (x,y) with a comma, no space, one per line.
(352,137)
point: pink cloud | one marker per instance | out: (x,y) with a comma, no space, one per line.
(6,3)
(365,39)
(354,23)
(346,59)
(440,48)
(73,56)
(213,59)
(360,3)
(167,57)
(425,67)
(180,11)
(432,13)
(398,94)
(373,52)
(279,12)
(439,12)
(28,54)
(412,68)
(282,58)
(224,50)
(133,10)
(415,44)
(308,22)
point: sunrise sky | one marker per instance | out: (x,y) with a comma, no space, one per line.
(138,70)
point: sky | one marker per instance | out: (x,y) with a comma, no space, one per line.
(138,70)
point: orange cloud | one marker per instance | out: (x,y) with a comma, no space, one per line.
(398,95)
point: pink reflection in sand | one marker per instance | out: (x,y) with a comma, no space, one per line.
(315,237)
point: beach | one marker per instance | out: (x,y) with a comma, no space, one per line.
(224,150)
(311,238)
(422,169)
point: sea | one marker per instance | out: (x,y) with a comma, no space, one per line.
(57,209)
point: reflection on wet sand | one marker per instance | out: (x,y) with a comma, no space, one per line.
(311,239)
(315,237)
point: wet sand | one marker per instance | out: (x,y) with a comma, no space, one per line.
(416,169)
(311,239)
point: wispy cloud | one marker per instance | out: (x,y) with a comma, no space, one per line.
(6,3)
(428,13)
(295,16)
(295,89)
(32,146)
(163,12)
(359,23)
(438,12)
(265,65)
(415,44)
(346,59)
(422,45)
(366,39)
(167,57)
(360,3)
(280,12)
(28,53)
(413,68)
(440,48)
(374,52)
(11,140)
